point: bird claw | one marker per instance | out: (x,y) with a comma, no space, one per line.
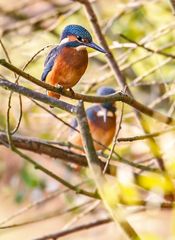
(61,88)
(71,91)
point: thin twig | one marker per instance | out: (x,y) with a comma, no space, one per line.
(53,175)
(145,136)
(114,140)
(117,72)
(32,205)
(119,96)
(142,45)
(10,97)
(172,3)
(100,181)
(82,227)
(42,147)
(51,214)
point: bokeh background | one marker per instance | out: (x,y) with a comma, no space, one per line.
(131,28)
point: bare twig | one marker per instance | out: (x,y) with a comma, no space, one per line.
(172,3)
(142,45)
(47,216)
(117,72)
(82,227)
(100,181)
(115,140)
(37,96)
(32,205)
(142,137)
(50,173)
(119,96)
(42,147)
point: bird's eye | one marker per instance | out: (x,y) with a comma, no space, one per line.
(79,38)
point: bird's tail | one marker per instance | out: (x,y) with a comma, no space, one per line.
(53,94)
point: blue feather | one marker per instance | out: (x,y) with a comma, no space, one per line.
(76,30)
(92,112)
(91,115)
(49,62)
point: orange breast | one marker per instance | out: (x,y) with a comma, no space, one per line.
(68,68)
(101,132)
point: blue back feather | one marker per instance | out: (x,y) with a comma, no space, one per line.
(92,111)
(91,115)
(50,59)
(49,62)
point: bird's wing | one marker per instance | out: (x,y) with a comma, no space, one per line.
(49,62)
(92,113)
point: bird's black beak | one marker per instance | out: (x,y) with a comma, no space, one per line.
(96,47)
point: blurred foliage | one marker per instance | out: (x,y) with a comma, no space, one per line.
(26,27)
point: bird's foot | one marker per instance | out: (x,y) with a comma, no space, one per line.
(60,88)
(71,91)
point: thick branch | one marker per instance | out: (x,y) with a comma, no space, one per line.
(119,96)
(37,96)
(97,174)
(41,147)
(118,75)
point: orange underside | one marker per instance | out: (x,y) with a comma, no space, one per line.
(103,135)
(67,71)
(53,94)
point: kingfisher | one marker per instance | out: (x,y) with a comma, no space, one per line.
(101,120)
(67,62)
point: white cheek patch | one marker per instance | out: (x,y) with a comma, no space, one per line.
(65,40)
(80,48)
(101,113)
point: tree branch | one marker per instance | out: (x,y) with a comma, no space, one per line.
(172,3)
(119,96)
(118,74)
(97,174)
(82,227)
(145,136)
(41,147)
(37,96)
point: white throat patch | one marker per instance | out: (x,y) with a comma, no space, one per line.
(65,40)
(80,48)
(101,113)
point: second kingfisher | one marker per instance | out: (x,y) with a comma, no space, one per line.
(67,62)
(102,123)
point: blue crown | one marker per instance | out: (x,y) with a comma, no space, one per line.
(107,91)
(76,30)
(83,37)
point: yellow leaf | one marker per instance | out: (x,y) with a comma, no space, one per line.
(111,193)
(129,193)
(155,181)
(150,236)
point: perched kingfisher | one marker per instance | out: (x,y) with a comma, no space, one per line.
(102,122)
(67,62)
